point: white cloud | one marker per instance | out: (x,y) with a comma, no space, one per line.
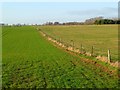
(108,11)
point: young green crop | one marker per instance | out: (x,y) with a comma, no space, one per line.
(30,61)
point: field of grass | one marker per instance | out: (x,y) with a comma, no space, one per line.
(30,61)
(101,37)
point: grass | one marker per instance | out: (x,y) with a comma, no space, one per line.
(101,37)
(30,61)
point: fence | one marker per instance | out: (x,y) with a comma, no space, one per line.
(71,47)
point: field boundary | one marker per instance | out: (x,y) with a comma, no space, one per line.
(81,50)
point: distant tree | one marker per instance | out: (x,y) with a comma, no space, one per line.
(56,23)
(105,21)
(118,21)
(2,24)
(49,23)
(93,20)
(97,22)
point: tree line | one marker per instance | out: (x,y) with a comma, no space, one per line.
(96,20)
(107,21)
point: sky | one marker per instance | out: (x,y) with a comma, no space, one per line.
(41,12)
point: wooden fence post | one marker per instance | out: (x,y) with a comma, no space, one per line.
(72,44)
(92,51)
(109,57)
(81,49)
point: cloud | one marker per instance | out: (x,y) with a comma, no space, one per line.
(108,11)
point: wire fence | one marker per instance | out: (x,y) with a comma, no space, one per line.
(70,46)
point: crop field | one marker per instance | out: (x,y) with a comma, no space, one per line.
(101,37)
(29,60)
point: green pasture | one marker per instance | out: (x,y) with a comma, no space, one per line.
(29,60)
(101,37)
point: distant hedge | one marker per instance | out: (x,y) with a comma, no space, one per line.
(107,21)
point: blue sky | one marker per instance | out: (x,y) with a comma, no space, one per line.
(41,12)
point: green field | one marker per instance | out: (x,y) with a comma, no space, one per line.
(101,37)
(29,60)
